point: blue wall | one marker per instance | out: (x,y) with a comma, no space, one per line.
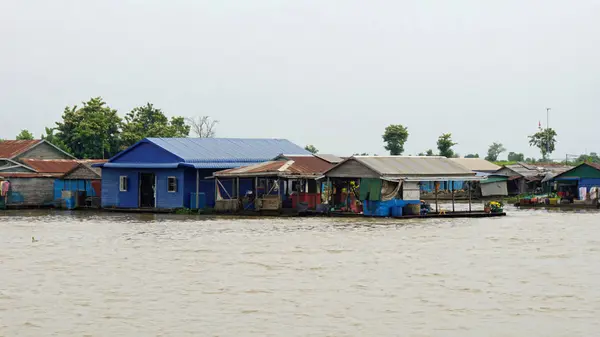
(73,185)
(589,183)
(147,152)
(429,186)
(112,197)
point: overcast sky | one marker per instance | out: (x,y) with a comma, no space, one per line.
(329,73)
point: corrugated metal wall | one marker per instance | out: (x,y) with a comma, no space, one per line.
(31,191)
(73,185)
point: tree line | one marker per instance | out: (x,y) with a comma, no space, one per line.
(95,130)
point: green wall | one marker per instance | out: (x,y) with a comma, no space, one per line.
(581,171)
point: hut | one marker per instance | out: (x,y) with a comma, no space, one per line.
(53,183)
(29,187)
(525,178)
(13,151)
(286,182)
(481,167)
(168,173)
(378,182)
(581,182)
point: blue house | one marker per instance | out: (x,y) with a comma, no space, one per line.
(168,173)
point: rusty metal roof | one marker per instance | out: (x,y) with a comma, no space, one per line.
(60,165)
(284,166)
(12,148)
(51,165)
(31,175)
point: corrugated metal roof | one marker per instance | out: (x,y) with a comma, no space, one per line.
(31,175)
(594,165)
(203,150)
(412,166)
(285,166)
(330,158)
(51,165)
(476,164)
(58,165)
(11,148)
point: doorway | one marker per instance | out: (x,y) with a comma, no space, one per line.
(147,190)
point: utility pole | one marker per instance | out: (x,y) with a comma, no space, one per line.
(548,134)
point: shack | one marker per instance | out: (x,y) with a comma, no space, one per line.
(12,152)
(168,173)
(287,182)
(581,182)
(481,167)
(53,183)
(525,178)
(387,183)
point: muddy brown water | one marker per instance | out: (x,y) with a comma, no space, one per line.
(531,273)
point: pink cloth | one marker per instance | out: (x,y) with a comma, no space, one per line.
(4,186)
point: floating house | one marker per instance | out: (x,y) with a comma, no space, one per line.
(287,182)
(169,173)
(378,182)
(29,186)
(578,182)
(67,183)
(481,167)
(13,151)
(525,178)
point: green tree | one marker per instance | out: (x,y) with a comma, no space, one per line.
(395,136)
(24,135)
(544,140)
(494,151)
(476,155)
(148,121)
(513,156)
(591,158)
(445,144)
(92,131)
(311,148)
(48,135)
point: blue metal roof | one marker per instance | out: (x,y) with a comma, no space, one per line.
(137,165)
(217,153)
(203,150)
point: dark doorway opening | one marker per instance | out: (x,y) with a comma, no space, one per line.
(147,188)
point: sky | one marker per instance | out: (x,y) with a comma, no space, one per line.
(323,72)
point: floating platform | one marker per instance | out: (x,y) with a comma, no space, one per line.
(448,215)
(558,206)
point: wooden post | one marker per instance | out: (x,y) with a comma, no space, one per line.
(216,189)
(470,196)
(237,182)
(452,182)
(328,191)
(197,189)
(437,187)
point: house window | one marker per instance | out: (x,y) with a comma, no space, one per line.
(123,183)
(172,184)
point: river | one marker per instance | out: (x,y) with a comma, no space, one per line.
(531,273)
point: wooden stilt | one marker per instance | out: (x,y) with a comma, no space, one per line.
(437,187)
(452,196)
(197,189)
(470,196)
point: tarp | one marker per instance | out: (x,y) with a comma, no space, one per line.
(370,189)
